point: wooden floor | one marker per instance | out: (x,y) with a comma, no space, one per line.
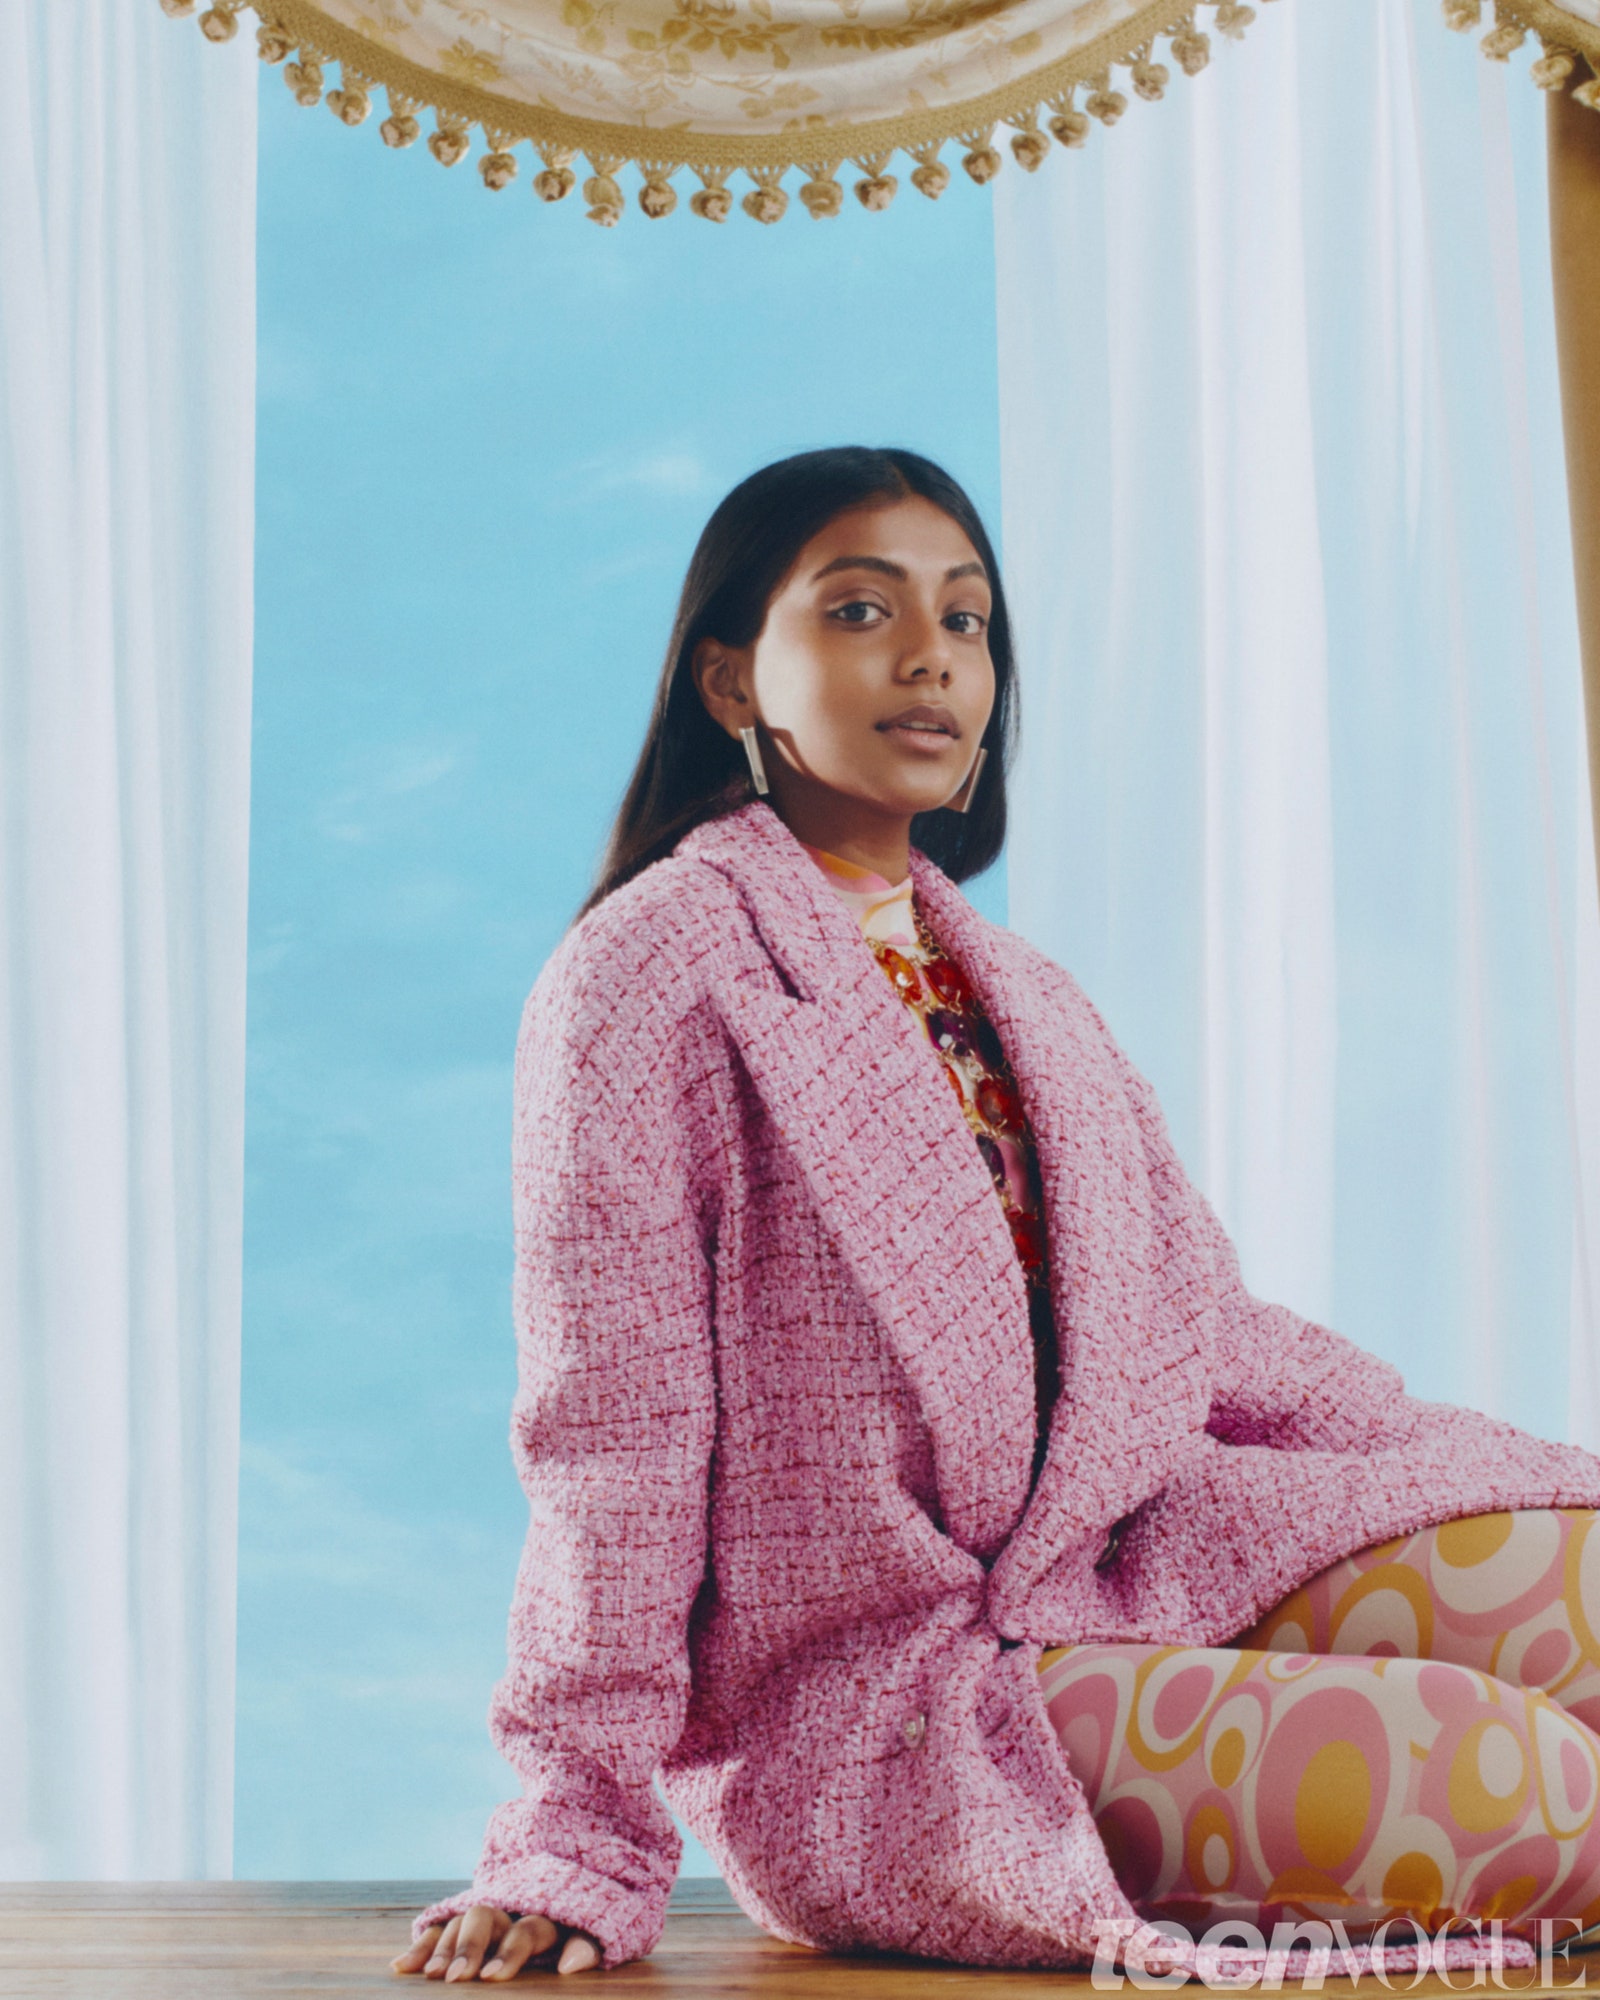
(182,1941)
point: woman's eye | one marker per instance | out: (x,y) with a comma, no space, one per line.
(968,622)
(860,611)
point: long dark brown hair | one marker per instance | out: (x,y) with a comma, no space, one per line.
(690,770)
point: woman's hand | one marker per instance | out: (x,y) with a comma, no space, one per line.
(500,1945)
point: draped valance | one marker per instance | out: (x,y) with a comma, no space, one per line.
(766,89)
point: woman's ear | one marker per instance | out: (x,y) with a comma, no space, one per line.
(721,676)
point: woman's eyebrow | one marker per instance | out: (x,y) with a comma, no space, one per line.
(887,568)
(861,562)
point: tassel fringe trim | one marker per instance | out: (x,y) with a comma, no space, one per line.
(1039,108)
(1566,42)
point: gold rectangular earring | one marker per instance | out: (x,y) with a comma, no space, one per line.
(752,751)
(963,799)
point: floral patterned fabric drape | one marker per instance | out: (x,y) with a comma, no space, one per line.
(778,90)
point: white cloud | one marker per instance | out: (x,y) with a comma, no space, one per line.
(669,473)
(392,771)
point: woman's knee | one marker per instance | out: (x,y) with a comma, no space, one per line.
(1515,1594)
(1380,1785)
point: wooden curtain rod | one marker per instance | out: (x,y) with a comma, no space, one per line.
(1574,143)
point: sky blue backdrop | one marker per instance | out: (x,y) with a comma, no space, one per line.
(489,434)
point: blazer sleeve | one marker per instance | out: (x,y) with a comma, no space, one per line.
(1275,1378)
(1282,1381)
(612,1431)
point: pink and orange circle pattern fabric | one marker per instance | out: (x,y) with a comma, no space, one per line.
(1397,1738)
(1515,1595)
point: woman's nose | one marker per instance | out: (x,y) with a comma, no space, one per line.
(927,654)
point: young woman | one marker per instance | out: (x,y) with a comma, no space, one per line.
(916,1492)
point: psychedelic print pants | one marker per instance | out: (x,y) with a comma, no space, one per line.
(1413,1733)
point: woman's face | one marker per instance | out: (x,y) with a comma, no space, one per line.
(871,680)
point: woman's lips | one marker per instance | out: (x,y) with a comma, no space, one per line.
(926,726)
(918,736)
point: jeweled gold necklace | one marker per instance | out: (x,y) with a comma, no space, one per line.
(881,946)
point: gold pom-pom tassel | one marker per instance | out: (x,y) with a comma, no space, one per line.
(401,128)
(766,201)
(557,180)
(1070,125)
(602,193)
(218,24)
(876,189)
(449,142)
(713,202)
(658,197)
(1232,19)
(1462,16)
(1150,80)
(1502,42)
(1552,69)
(350,104)
(177,10)
(1030,148)
(1191,50)
(273,44)
(823,196)
(499,165)
(1588,94)
(981,160)
(930,176)
(1103,102)
(304,79)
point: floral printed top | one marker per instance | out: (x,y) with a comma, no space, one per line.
(936,991)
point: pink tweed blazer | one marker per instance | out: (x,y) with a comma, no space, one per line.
(775,1423)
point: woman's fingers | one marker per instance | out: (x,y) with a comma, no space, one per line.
(443,1945)
(527,1939)
(578,1954)
(488,1944)
(479,1928)
(416,1956)
(439,1957)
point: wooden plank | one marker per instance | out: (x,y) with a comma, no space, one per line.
(689,1892)
(239,1940)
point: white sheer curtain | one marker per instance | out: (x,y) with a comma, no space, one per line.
(1302,797)
(127,245)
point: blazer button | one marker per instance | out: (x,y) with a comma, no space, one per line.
(1108,1554)
(913,1729)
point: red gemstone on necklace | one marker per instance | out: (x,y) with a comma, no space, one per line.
(998,1103)
(902,973)
(1028,1237)
(949,982)
(948,1031)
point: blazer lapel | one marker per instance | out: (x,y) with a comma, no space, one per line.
(857,1096)
(1126,1314)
